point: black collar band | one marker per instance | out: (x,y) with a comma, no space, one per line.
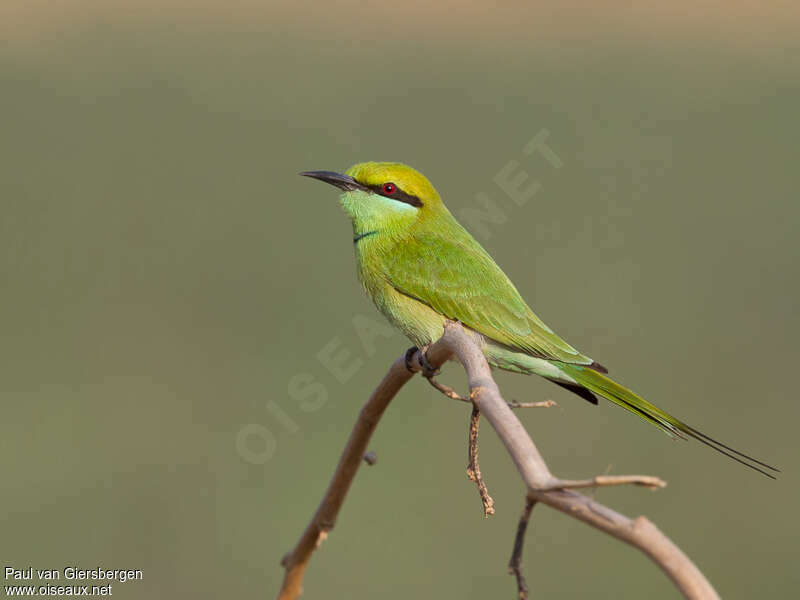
(361,236)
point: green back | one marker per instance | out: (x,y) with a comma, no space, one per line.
(440,264)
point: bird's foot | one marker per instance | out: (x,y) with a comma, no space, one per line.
(409,355)
(428,371)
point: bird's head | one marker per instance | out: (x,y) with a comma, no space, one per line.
(383,196)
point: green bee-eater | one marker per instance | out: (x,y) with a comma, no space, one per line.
(421,268)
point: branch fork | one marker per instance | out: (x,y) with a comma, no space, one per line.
(541,485)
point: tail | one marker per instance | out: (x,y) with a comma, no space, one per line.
(600,384)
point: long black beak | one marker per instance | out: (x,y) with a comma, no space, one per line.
(343,182)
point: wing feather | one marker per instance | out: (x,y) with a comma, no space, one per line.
(456,277)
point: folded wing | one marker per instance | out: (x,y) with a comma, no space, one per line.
(456,277)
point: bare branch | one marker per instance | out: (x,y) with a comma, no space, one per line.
(542,486)
(324,519)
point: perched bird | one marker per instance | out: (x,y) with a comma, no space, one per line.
(421,268)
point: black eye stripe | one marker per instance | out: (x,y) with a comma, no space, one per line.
(398,195)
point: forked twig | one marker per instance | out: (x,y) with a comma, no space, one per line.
(473,468)
(541,485)
(453,395)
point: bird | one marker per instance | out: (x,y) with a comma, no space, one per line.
(422,268)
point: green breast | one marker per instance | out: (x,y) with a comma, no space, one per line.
(419,322)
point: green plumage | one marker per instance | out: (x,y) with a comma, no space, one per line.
(450,272)
(421,268)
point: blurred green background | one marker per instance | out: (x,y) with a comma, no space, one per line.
(165,275)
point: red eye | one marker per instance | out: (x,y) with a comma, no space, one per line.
(389,188)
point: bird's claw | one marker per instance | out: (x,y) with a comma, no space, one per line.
(409,355)
(428,371)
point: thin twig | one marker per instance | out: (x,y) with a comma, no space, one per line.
(515,563)
(473,469)
(453,395)
(540,404)
(647,481)
(446,389)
